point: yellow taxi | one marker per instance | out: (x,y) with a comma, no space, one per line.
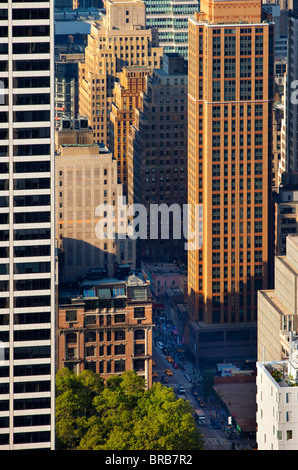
(154,374)
(169,359)
(168,372)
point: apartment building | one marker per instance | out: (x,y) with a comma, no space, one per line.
(230,99)
(120,39)
(27,276)
(107,328)
(87,190)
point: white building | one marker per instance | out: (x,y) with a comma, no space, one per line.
(27,249)
(277,403)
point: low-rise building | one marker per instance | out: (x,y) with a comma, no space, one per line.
(107,328)
(278,307)
(277,403)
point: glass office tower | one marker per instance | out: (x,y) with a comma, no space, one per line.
(171,19)
(26,225)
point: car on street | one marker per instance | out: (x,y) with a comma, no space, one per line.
(154,374)
(164,379)
(215,422)
(201,402)
(168,372)
(181,390)
(175,365)
(169,359)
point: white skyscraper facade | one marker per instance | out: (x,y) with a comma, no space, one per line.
(27,256)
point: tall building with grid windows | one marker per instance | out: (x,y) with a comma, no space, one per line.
(171,19)
(27,282)
(119,40)
(230,87)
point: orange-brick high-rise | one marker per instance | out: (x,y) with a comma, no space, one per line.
(231,56)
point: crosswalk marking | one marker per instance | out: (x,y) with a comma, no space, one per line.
(176,385)
(211,440)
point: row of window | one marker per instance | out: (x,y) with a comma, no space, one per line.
(106,350)
(26,318)
(27,65)
(218,230)
(26,268)
(27,335)
(27,133)
(229,90)
(26,302)
(26,14)
(27,438)
(27,234)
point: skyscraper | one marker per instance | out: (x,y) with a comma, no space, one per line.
(230,86)
(120,39)
(27,226)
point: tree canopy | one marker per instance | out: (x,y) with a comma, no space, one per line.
(121,414)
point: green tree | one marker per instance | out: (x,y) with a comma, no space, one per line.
(122,415)
(74,405)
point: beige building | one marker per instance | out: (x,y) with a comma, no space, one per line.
(120,39)
(278,308)
(86,177)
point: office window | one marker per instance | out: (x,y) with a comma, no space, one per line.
(230,90)
(245,45)
(230,45)
(230,68)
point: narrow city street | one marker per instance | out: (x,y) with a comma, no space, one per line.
(214,439)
